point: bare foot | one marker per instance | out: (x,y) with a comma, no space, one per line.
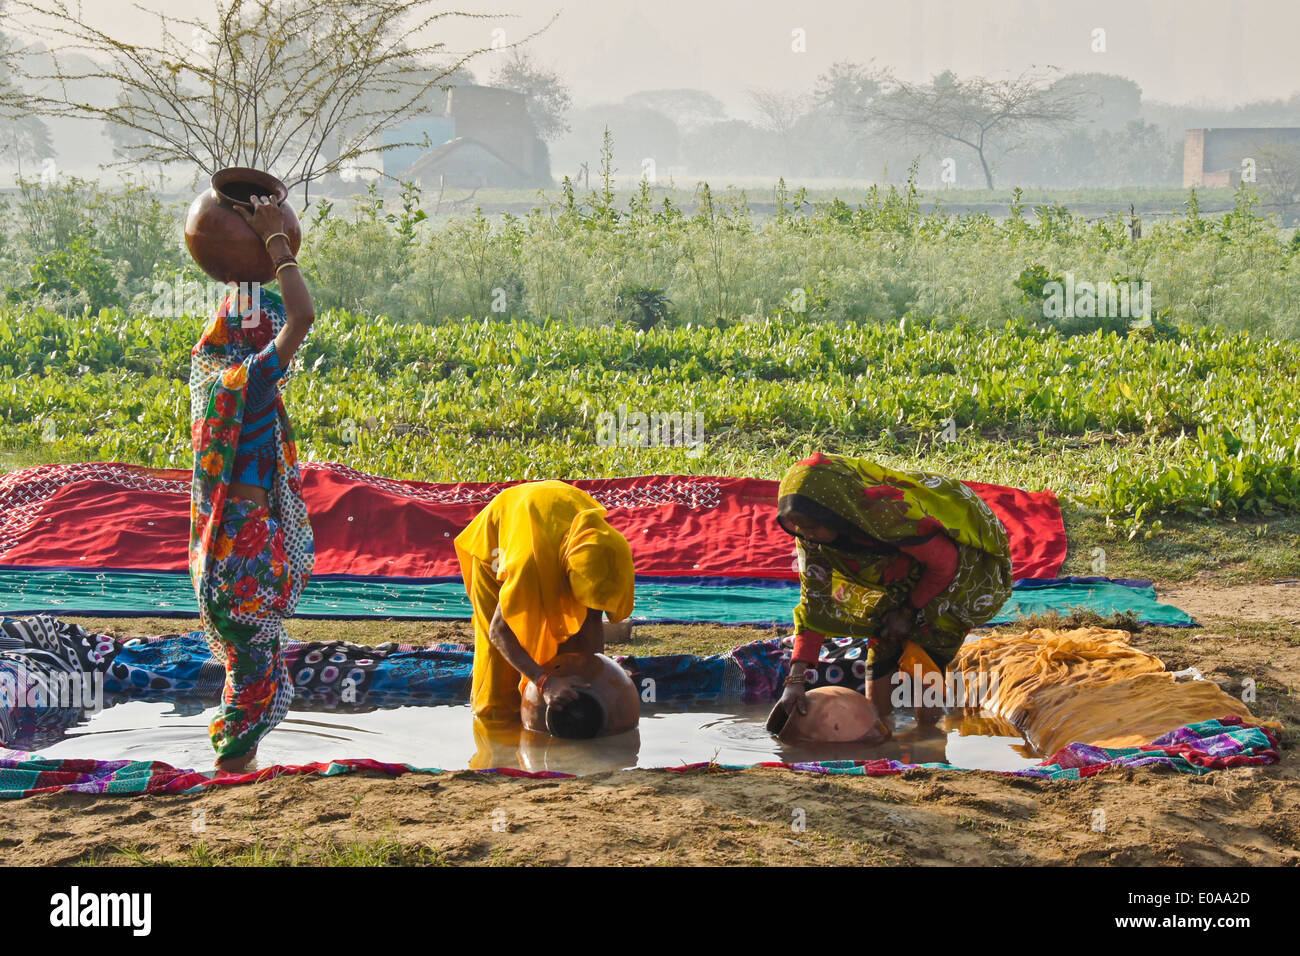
(241,764)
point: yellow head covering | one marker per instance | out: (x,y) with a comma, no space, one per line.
(598,562)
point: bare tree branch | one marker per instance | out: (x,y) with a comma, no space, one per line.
(780,111)
(976,113)
(302,88)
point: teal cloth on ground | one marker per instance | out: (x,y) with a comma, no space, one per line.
(149,594)
(1103,597)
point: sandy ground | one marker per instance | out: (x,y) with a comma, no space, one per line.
(1278,602)
(1246,816)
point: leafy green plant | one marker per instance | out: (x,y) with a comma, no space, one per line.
(1136,427)
(641,306)
(79,272)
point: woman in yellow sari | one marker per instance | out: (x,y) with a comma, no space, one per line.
(540,565)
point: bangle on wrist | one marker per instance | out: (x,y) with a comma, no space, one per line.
(284,265)
(801,680)
(276,235)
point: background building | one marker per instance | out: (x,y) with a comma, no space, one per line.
(485,137)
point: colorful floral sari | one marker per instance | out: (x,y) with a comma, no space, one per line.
(846,591)
(248,564)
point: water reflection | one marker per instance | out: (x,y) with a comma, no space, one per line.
(449,737)
(508,744)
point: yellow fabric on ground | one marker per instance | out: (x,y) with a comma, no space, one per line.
(1087,685)
(528,551)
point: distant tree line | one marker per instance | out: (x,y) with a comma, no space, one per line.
(1039,129)
(250,86)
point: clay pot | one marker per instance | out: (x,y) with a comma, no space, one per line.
(612,693)
(219,240)
(836,715)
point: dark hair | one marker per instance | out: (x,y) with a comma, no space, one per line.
(580,719)
(806,507)
(848,536)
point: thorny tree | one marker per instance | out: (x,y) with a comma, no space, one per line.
(1279,179)
(977,113)
(546,92)
(22,134)
(780,112)
(301,88)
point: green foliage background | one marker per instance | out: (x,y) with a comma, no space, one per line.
(487,348)
(590,259)
(1197,422)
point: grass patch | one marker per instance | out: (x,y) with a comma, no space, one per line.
(1075,617)
(299,852)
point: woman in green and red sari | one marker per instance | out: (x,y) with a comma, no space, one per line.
(251,544)
(885,557)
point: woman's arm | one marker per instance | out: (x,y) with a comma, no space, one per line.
(590,638)
(938,558)
(267,219)
(505,641)
(555,691)
(814,582)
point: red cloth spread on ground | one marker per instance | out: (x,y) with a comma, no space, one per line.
(112,516)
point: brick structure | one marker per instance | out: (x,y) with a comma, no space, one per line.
(495,143)
(1216,157)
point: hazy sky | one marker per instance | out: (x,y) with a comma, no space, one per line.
(1209,51)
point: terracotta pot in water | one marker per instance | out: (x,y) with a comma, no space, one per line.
(836,715)
(612,697)
(219,240)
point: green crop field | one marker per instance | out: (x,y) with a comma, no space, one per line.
(1132,426)
(479,349)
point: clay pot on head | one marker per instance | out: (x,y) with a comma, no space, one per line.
(610,706)
(219,240)
(836,715)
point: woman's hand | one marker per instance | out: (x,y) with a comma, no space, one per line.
(558,691)
(266,219)
(794,697)
(895,625)
(794,700)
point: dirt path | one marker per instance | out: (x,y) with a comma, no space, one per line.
(1246,602)
(660,817)
(1246,816)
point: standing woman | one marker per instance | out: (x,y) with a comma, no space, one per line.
(885,557)
(251,546)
